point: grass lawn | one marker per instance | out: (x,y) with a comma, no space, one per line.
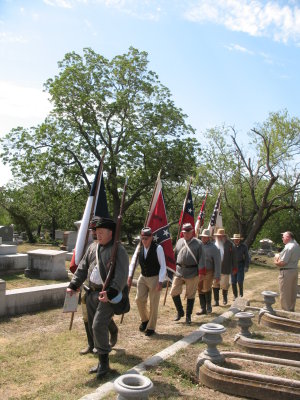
(40,358)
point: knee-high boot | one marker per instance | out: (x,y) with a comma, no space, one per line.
(189,310)
(179,308)
(202,300)
(225,298)
(103,367)
(216,296)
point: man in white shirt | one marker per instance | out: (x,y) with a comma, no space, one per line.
(287,262)
(153,271)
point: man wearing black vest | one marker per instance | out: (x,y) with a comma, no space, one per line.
(153,271)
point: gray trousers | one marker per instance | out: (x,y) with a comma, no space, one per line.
(100,319)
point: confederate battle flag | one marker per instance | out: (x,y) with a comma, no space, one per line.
(187,213)
(201,216)
(158,222)
(96,206)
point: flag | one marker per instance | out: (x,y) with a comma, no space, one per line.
(201,216)
(187,213)
(158,222)
(96,205)
(216,217)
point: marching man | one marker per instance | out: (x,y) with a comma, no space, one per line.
(190,257)
(153,271)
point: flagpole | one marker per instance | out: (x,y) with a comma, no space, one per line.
(183,208)
(91,215)
(179,230)
(145,224)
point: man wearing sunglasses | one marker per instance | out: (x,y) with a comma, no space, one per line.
(153,271)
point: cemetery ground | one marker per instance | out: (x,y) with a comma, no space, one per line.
(40,358)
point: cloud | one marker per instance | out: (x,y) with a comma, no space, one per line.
(255,17)
(21,106)
(141,9)
(9,37)
(241,49)
(59,3)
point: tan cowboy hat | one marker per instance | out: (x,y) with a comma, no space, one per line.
(220,232)
(237,236)
(205,233)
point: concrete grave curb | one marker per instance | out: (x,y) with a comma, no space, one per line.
(168,352)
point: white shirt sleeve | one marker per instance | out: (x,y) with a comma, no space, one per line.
(133,262)
(162,262)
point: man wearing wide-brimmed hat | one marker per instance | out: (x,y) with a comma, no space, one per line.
(190,258)
(93,269)
(243,265)
(228,265)
(153,271)
(211,271)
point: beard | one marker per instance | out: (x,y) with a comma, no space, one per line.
(220,246)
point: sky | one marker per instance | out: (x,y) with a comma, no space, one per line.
(225,61)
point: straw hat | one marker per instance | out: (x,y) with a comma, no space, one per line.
(237,236)
(205,233)
(220,232)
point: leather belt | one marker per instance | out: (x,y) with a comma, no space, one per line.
(284,269)
(92,288)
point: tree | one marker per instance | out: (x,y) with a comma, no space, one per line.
(116,105)
(260,180)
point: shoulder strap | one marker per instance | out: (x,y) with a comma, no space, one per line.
(100,264)
(190,251)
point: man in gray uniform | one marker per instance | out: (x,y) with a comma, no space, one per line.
(113,329)
(287,262)
(190,257)
(100,310)
(212,271)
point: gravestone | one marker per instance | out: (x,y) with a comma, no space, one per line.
(46,264)
(7,234)
(59,235)
(10,261)
(266,247)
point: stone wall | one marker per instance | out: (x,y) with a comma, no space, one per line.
(33,299)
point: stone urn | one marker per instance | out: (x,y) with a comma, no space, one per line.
(133,386)
(269,299)
(244,322)
(212,336)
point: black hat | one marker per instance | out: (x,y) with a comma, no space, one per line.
(107,223)
(93,222)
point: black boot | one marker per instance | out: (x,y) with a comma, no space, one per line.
(103,367)
(189,310)
(241,287)
(225,299)
(234,290)
(179,308)
(208,302)
(216,296)
(90,346)
(202,300)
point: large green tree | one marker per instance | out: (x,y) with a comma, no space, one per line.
(116,105)
(259,179)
